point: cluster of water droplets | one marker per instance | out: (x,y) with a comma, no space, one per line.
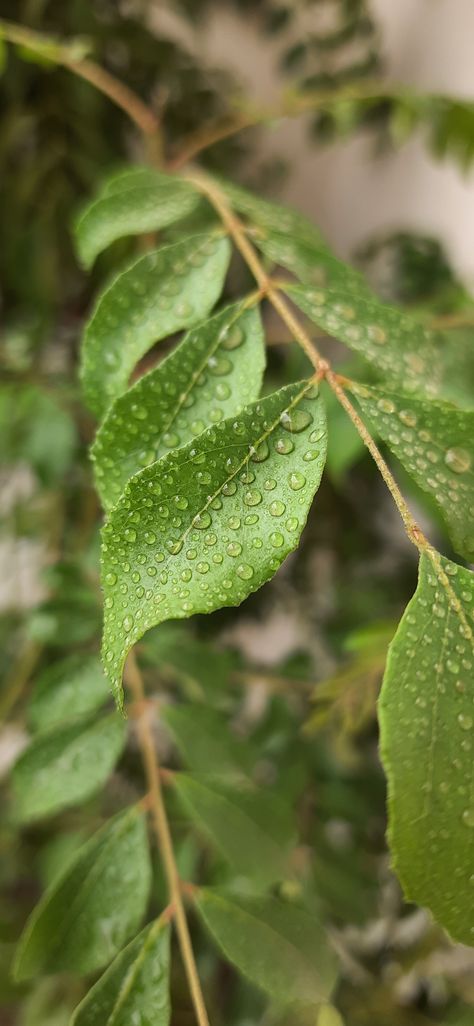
(230,508)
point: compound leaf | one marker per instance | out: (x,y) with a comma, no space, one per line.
(435,443)
(96,904)
(279,946)
(136,202)
(211,522)
(162,292)
(66,765)
(135,988)
(217,369)
(67,690)
(427,724)
(250,827)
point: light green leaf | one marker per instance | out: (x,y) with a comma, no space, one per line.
(270,216)
(205,741)
(162,292)
(278,946)
(65,766)
(427,726)
(435,443)
(141,203)
(67,690)
(250,827)
(135,988)
(207,525)
(216,370)
(396,344)
(310,261)
(94,906)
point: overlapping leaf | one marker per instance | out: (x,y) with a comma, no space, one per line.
(210,523)
(252,828)
(279,946)
(138,201)
(92,909)
(435,443)
(427,732)
(67,690)
(135,989)
(162,292)
(215,371)
(65,766)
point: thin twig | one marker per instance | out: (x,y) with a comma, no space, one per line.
(163,834)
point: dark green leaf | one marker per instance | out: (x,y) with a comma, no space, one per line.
(205,741)
(278,946)
(95,905)
(66,690)
(215,371)
(435,442)
(427,726)
(249,826)
(134,991)
(65,766)
(169,289)
(210,523)
(142,203)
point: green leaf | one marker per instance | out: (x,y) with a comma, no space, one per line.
(427,726)
(216,370)
(271,217)
(143,202)
(135,988)
(309,260)
(207,525)
(169,289)
(397,345)
(435,443)
(205,740)
(95,905)
(251,828)
(278,946)
(65,766)
(67,690)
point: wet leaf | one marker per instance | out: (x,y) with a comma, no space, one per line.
(210,523)
(215,371)
(67,690)
(427,729)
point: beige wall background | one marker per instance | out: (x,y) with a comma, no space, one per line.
(429,44)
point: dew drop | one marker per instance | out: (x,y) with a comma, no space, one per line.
(127,623)
(468,817)
(465,721)
(260,453)
(202,520)
(231,337)
(296,480)
(130,534)
(284,446)
(458,460)
(150,537)
(245,571)
(269,484)
(276,539)
(229,488)
(295,420)
(277,508)
(234,549)
(174,546)
(292,524)
(252,497)
(111,578)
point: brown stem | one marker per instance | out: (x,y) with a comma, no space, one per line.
(163,834)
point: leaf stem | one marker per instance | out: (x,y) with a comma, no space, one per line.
(163,835)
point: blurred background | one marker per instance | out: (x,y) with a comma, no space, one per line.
(360,113)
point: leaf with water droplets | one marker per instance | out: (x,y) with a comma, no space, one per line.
(280,947)
(251,827)
(427,731)
(66,690)
(396,344)
(217,369)
(142,203)
(134,990)
(94,906)
(169,289)
(65,766)
(211,522)
(435,443)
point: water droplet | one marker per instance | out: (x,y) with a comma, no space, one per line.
(245,571)
(292,524)
(465,721)
(407,417)
(468,817)
(269,484)
(376,334)
(222,390)
(174,546)
(181,502)
(310,455)
(171,440)
(202,568)
(234,549)
(277,508)
(186,575)
(202,520)
(219,365)
(252,497)
(229,488)
(127,623)
(251,518)
(260,453)
(458,460)
(295,420)
(130,534)
(111,578)
(231,337)
(150,537)
(296,480)
(276,539)
(234,523)
(284,446)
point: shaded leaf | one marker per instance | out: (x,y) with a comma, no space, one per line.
(427,723)
(162,292)
(435,443)
(136,202)
(65,766)
(66,690)
(204,739)
(210,523)
(278,946)
(216,370)
(94,906)
(135,988)
(250,827)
